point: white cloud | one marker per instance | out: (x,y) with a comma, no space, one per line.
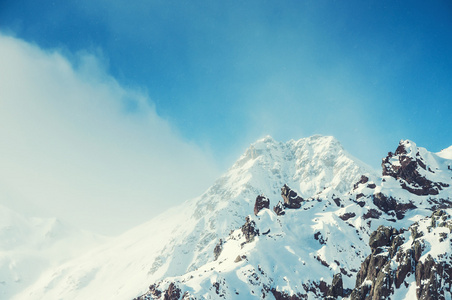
(77,145)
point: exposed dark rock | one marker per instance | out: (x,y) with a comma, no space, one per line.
(172,293)
(284,296)
(279,209)
(261,203)
(417,249)
(402,208)
(360,195)
(336,289)
(440,203)
(318,236)
(360,293)
(291,198)
(187,296)
(397,241)
(376,267)
(377,277)
(364,179)
(406,266)
(324,263)
(347,216)
(427,276)
(154,291)
(318,288)
(407,169)
(239,258)
(383,284)
(415,233)
(337,201)
(388,204)
(384,203)
(380,237)
(361,203)
(218,249)
(372,214)
(249,230)
(216,285)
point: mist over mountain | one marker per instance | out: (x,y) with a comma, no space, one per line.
(297,220)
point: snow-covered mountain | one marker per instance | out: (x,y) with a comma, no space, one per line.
(287,220)
(183,239)
(317,248)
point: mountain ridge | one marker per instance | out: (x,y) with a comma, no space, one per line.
(337,191)
(401,197)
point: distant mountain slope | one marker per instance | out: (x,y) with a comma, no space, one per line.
(183,239)
(30,246)
(446,153)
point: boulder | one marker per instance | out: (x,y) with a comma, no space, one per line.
(218,249)
(279,209)
(291,198)
(261,203)
(249,230)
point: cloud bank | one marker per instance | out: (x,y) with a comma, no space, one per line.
(77,145)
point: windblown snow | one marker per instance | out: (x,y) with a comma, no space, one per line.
(28,247)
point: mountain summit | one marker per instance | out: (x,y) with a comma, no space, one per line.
(287,220)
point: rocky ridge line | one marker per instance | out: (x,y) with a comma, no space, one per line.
(397,263)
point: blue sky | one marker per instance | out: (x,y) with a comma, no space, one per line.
(225,73)
(222,74)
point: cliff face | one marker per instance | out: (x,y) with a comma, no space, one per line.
(408,264)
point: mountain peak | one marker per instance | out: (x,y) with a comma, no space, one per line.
(405,147)
(311,165)
(266,139)
(446,153)
(419,171)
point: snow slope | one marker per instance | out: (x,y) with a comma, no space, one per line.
(298,253)
(182,240)
(30,246)
(445,153)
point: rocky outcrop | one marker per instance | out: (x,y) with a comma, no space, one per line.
(172,292)
(336,289)
(249,230)
(374,280)
(381,237)
(389,204)
(372,214)
(284,296)
(347,216)
(404,263)
(279,209)
(291,198)
(261,203)
(364,179)
(406,166)
(393,265)
(218,249)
